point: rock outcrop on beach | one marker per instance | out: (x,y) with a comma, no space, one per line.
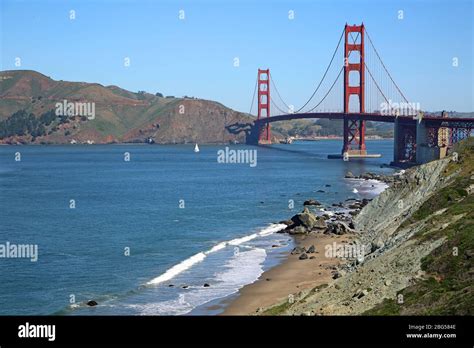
(417,248)
(305,222)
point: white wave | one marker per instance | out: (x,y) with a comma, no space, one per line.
(239,241)
(179,268)
(369,187)
(272,229)
(217,247)
(199,257)
(242,269)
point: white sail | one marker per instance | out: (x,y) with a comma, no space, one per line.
(196,148)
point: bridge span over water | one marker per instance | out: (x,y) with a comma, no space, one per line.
(367,94)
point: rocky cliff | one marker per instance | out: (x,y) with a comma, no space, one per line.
(418,248)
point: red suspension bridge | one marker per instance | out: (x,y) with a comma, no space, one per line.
(368,93)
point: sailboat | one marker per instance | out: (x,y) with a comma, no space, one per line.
(196,148)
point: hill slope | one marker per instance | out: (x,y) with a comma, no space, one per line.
(419,247)
(120,115)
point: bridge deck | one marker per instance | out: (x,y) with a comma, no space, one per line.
(377,117)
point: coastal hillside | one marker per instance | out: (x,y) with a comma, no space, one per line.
(328,128)
(28,103)
(418,244)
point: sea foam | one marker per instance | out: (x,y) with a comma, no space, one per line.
(241,269)
(199,257)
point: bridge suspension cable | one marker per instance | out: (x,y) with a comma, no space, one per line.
(330,89)
(385,68)
(276,107)
(325,73)
(375,82)
(253,97)
(278,94)
(337,78)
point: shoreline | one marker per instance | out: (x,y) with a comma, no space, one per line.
(291,276)
(294,276)
(187,143)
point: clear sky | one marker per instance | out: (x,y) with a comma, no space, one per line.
(194,56)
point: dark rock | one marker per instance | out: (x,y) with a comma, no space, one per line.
(298,230)
(303,256)
(92,303)
(185,286)
(304,220)
(377,244)
(312,257)
(170,285)
(320,191)
(349,175)
(275,246)
(307,218)
(365,201)
(311,249)
(311,202)
(206,285)
(327,185)
(297,250)
(338,228)
(360,293)
(320,224)
(286,222)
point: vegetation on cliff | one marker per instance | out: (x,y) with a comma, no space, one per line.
(419,255)
(448,288)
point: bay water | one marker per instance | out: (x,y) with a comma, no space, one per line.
(165,233)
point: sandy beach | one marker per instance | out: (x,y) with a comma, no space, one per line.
(290,277)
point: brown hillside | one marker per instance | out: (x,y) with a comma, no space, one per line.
(120,115)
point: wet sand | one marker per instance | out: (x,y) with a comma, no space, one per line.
(290,277)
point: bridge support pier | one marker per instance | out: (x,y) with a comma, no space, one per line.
(404,143)
(426,150)
(397,140)
(354,134)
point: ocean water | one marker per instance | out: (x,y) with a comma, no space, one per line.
(147,234)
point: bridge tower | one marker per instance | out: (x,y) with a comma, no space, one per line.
(264,135)
(354,130)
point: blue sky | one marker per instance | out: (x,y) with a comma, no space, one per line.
(195,56)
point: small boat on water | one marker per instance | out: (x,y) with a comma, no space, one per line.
(196,148)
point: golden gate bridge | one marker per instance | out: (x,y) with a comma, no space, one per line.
(368,93)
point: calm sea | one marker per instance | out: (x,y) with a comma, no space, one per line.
(143,236)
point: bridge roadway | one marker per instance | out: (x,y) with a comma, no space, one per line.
(430,120)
